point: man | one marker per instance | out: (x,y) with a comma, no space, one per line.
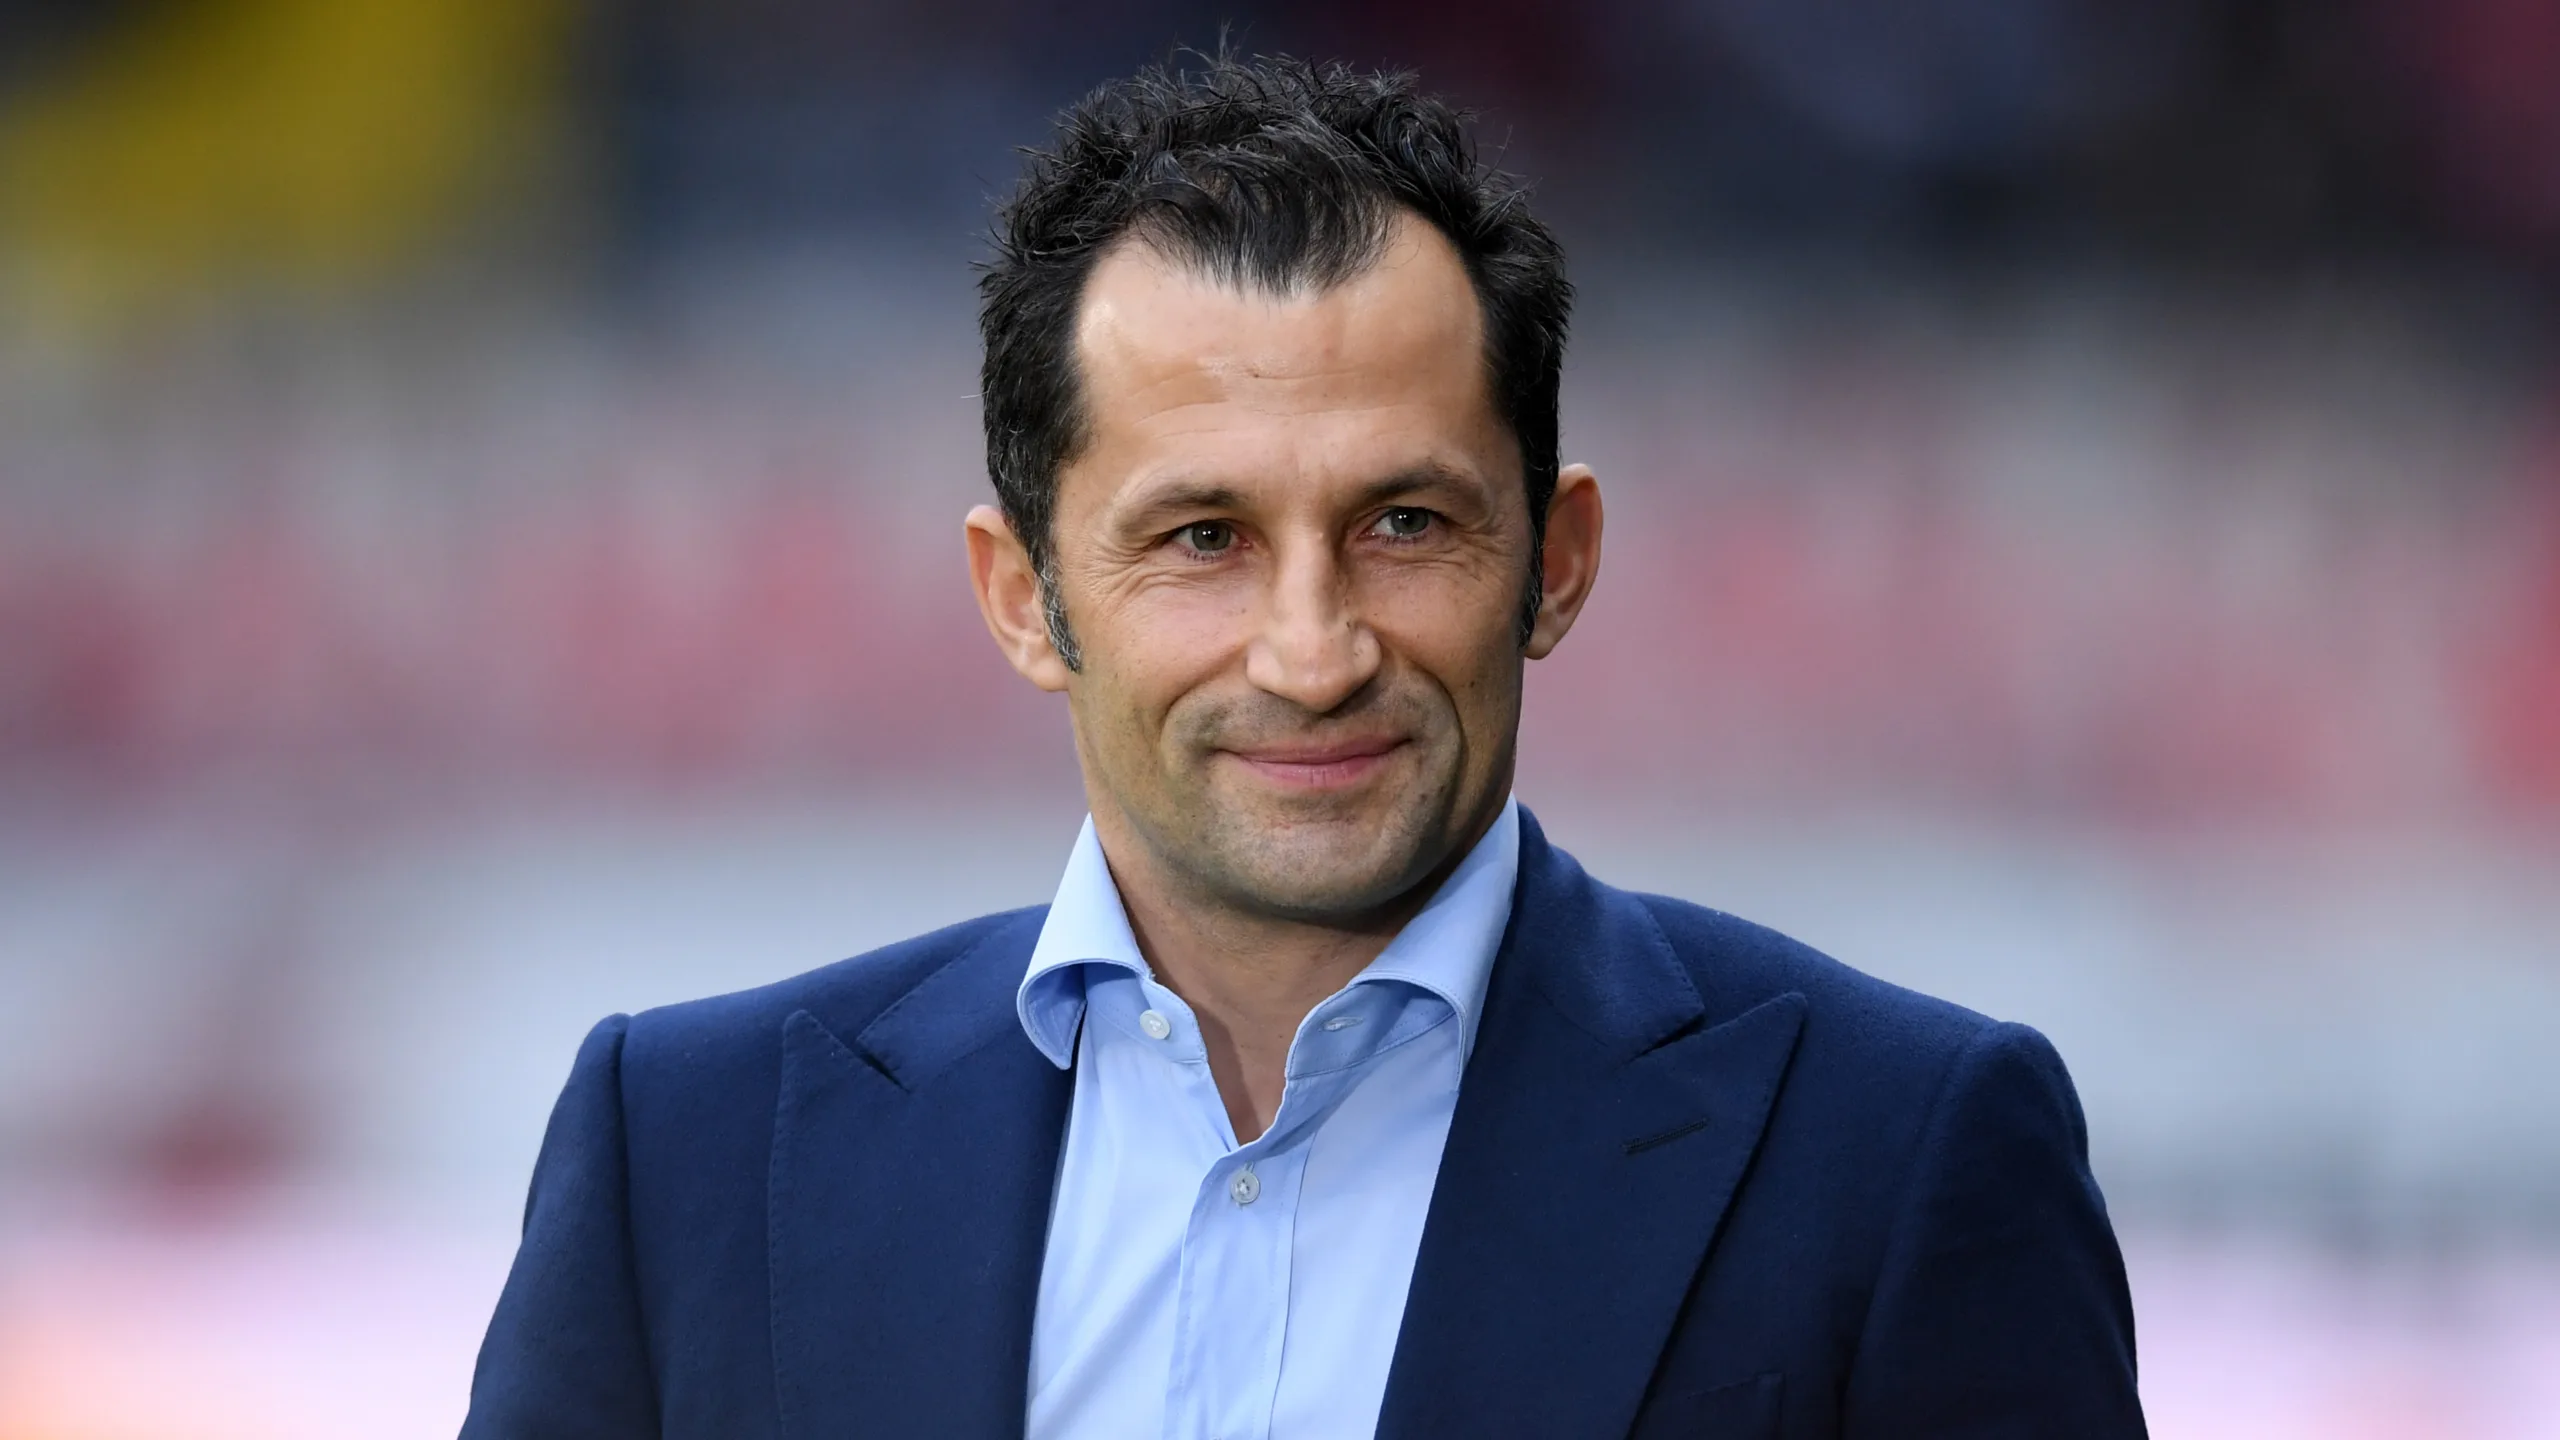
(1327,1098)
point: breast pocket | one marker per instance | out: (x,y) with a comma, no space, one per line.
(1743,1410)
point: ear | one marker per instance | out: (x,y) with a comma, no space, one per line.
(1009,597)
(1571,559)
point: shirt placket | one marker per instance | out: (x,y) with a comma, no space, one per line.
(1233,1314)
(1232,1311)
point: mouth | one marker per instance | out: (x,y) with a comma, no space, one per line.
(1337,765)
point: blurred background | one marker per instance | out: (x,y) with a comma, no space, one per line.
(479,501)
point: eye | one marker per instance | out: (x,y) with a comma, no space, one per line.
(1206,537)
(1405,522)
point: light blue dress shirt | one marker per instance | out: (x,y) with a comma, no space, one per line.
(1197,1289)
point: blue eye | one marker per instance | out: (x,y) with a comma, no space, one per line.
(1207,537)
(1404,522)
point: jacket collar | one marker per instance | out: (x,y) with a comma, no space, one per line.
(908,1205)
(1602,1128)
(913,1165)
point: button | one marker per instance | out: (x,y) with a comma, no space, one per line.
(1156,1026)
(1246,1187)
(1342,1022)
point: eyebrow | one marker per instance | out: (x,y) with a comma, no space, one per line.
(1189,496)
(1183,496)
(1430,475)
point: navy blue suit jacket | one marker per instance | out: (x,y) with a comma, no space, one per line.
(1701,1181)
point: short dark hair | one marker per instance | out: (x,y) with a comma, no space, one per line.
(1267,173)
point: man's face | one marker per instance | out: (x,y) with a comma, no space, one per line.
(1292,553)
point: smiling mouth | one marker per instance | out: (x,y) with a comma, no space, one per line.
(1313,767)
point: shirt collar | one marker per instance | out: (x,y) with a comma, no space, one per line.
(1447,949)
(1086,926)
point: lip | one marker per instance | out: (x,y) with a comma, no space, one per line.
(1336,766)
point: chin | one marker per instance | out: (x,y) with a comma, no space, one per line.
(1328,866)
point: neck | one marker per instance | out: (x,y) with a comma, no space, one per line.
(1251,978)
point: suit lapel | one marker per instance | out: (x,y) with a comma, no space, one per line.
(1603,1125)
(909,1208)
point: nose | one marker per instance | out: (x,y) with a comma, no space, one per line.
(1313,649)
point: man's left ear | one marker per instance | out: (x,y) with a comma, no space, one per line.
(1570,560)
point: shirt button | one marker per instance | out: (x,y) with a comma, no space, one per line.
(1246,1187)
(1342,1022)
(1156,1026)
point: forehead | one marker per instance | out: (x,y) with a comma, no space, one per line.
(1179,367)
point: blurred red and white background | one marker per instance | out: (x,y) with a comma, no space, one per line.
(479,496)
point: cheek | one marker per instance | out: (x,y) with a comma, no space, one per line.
(1457,618)
(1463,633)
(1154,643)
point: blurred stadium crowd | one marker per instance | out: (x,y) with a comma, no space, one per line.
(479,485)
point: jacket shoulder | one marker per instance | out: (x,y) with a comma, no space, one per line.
(1880,1071)
(844,996)
(1736,965)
